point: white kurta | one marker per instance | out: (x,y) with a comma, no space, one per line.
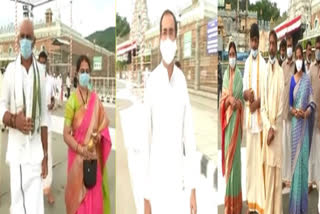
(314,160)
(24,153)
(271,112)
(1,77)
(1,125)
(255,176)
(68,82)
(255,127)
(170,133)
(288,70)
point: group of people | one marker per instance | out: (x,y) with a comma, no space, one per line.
(274,109)
(28,92)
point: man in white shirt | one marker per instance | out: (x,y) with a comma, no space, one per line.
(314,160)
(288,67)
(50,104)
(308,61)
(68,83)
(23,109)
(60,86)
(271,114)
(169,133)
(1,77)
(1,125)
(254,71)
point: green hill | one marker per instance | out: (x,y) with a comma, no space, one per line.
(105,38)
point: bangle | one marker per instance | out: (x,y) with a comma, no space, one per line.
(45,155)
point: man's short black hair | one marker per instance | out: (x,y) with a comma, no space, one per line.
(283,44)
(308,44)
(43,55)
(273,33)
(288,36)
(174,18)
(254,31)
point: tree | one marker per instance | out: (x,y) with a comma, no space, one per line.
(105,38)
(123,27)
(280,20)
(266,10)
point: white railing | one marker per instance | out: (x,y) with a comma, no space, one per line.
(105,87)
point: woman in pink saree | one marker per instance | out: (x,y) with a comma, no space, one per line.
(87,136)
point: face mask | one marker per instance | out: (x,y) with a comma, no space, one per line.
(232,62)
(317,53)
(84,79)
(168,50)
(90,86)
(272,60)
(289,52)
(254,53)
(299,64)
(282,58)
(25,48)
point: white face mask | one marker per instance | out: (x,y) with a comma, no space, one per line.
(282,58)
(289,52)
(317,54)
(272,60)
(168,50)
(299,64)
(254,53)
(232,62)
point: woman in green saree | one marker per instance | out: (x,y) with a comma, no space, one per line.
(87,136)
(231,111)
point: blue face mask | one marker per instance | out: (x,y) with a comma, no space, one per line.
(84,79)
(25,48)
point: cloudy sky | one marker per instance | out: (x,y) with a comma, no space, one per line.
(88,15)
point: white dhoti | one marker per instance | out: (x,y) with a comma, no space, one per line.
(314,161)
(48,180)
(286,151)
(26,189)
(171,203)
(255,174)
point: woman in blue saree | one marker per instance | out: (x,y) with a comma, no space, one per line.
(302,110)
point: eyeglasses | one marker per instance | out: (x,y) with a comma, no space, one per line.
(84,71)
(25,36)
